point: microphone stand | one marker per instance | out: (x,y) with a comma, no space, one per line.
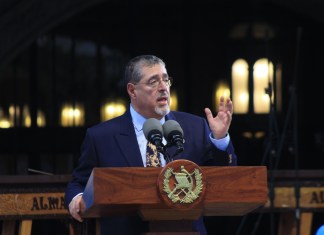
(270,150)
(165,154)
(294,149)
(179,150)
(292,110)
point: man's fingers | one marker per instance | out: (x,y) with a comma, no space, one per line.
(75,208)
(77,217)
(209,114)
(229,105)
(76,214)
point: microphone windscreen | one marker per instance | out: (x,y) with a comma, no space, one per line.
(151,124)
(170,126)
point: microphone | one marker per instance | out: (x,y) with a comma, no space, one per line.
(153,132)
(173,133)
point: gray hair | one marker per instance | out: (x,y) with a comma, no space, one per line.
(133,70)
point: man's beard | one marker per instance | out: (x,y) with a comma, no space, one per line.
(162,111)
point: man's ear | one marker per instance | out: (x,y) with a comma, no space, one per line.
(131,90)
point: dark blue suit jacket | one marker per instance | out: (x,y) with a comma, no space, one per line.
(113,144)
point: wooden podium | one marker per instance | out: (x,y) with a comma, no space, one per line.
(222,191)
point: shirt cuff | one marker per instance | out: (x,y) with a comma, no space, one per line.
(76,196)
(220,143)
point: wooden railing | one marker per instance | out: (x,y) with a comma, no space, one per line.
(24,198)
(300,192)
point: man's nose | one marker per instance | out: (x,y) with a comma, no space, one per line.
(163,85)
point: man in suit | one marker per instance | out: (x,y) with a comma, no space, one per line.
(120,142)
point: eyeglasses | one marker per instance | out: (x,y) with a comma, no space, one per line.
(155,82)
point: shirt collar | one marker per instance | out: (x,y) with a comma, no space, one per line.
(138,119)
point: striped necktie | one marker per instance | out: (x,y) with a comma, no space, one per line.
(152,155)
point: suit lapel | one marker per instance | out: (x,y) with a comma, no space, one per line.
(127,142)
(170,116)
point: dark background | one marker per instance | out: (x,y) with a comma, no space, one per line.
(54,51)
